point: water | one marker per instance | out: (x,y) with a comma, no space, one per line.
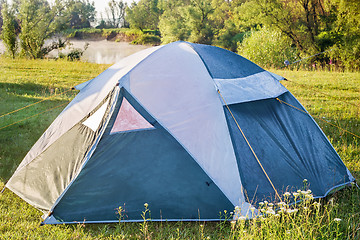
(102,51)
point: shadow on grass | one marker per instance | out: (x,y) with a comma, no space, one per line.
(17,139)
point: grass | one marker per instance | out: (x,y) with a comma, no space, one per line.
(332,96)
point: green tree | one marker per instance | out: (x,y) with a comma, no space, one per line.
(79,13)
(38,21)
(8,34)
(268,48)
(188,20)
(300,20)
(144,14)
(115,12)
(346,51)
(173,22)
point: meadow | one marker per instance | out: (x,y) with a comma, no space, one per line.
(333,98)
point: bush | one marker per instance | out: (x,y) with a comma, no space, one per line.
(147,39)
(267,48)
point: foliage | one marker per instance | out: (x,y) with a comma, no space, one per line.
(79,13)
(347,51)
(329,95)
(8,34)
(268,48)
(115,13)
(143,15)
(2,2)
(191,21)
(146,39)
(37,22)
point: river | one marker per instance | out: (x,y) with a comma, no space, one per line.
(102,51)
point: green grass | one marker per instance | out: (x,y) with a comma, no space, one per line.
(332,96)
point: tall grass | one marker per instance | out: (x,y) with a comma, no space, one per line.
(332,96)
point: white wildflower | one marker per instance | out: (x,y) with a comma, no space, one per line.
(337,219)
(146,205)
(261,203)
(295,194)
(287,194)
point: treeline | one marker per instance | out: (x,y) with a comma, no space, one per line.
(268,32)
(26,24)
(265,31)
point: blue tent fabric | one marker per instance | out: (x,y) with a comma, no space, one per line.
(290,146)
(132,168)
(224,64)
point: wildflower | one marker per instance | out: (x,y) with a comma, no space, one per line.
(266,202)
(270,211)
(261,203)
(271,204)
(308,191)
(146,205)
(281,203)
(231,213)
(225,211)
(295,194)
(287,194)
(305,180)
(292,210)
(252,209)
(242,218)
(337,219)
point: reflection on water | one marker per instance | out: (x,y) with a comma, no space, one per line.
(104,51)
(99,51)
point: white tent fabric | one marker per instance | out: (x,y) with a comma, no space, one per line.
(188,109)
(254,87)
(89,97)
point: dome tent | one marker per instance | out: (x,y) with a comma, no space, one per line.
(190,129)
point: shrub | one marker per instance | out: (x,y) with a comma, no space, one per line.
(267,48)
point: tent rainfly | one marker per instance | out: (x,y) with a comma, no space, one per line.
(190,129)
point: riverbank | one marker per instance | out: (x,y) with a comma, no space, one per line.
(133,36)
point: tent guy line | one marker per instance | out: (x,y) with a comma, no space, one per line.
(288,104)
(32,104)
(252,150)
(153,129)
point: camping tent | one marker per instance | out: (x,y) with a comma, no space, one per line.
(190,129)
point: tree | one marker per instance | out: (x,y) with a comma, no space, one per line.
(144,14)
(2,2)
(80,13)
(116,13)
(37,21)
(346,51)
(268,48)
(191,20)
(8,34)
